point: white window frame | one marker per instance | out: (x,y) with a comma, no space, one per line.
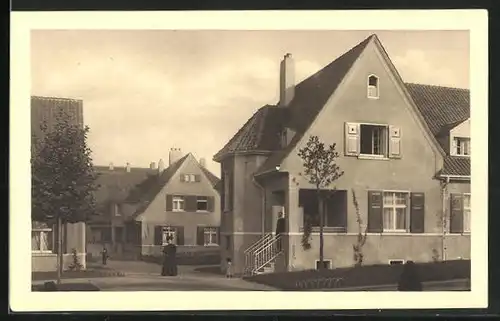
(466,209)
(377,87)
(461,143)
(397,260)
(43,231)
(168,231)
(384,145)
(212,235)
(316,262)
(178,204)
(204,199)
(394,207)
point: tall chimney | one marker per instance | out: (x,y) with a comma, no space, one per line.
(287,80)
(161,166)
(128,167)
(152,165)
(111,166)
(203,162)
(174,155)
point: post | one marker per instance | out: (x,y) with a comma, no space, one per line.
(59,250)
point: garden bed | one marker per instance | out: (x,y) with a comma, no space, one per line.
(199,257)
(369,275)
(64,287)
(88,273)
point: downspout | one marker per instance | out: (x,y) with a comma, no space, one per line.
(263,204)
(444,187)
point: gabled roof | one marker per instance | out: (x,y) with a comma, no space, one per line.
(261,132)
(440,108)
(135,190)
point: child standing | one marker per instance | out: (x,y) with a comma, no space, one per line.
(104,255)
(229,268)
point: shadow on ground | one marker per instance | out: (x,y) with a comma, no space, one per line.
(50,287)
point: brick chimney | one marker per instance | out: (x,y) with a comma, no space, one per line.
(161,166)
(203,162)
(287,80)
(174,155)
(152,165)
(128,167)
(111,166)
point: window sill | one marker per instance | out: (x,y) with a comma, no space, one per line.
(458,155)
(211,245)
(202,211)
(373,97)
(178,211)
(372,157)
(326,229)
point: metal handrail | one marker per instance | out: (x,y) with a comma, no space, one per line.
(258,242)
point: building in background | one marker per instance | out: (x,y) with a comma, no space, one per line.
(43,237)
(140,207)
(405,150)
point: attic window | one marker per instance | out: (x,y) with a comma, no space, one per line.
(461,146)
(373,87)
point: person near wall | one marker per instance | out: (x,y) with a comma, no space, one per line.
(169,267)
(280,230)
(229,268)
(105,255)
(410,278)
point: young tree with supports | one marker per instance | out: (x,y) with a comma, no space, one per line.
(321,170)
(63,178)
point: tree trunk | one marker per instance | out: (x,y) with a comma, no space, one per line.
(321,223)
(59,250)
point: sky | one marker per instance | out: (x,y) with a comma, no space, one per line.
(147,91)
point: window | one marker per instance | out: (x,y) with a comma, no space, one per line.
(395,206)
(373,87)
(117,210)
(190,178)
(227,194)
(42,240)
(396,262)
(202,203)
(210,236)
(178,203)
(327,264)
(169,232)
(374,140)
(461,146)
(119,234)
(467,213)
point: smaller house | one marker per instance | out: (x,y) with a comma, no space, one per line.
(139,208)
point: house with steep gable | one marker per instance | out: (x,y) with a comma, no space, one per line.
(140,207)
(405,152)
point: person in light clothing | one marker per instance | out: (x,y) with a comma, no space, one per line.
(229,268)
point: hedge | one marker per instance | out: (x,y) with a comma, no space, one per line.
(369,275)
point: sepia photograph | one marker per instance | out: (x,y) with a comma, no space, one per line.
(251,160)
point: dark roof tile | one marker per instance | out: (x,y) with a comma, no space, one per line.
(456,165)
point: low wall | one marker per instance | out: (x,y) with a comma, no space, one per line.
(378,249)
(47,262)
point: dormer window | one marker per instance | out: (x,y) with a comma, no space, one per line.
(373,87)
(461,146)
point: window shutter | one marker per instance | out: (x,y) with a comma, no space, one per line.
(210,203)
(168,203)
(223,192)
(417,213)
(394,142)
(182,177)
(352,139)
(180,235)
(456,213)
(453,146)
(190,203)
(197,178)
(217,229)
(375,217)
(158,235)
(200,235)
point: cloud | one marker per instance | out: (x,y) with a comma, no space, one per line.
(417,66)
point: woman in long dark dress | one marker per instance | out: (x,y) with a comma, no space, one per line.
(164,268)
(410,279)
(172,253)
